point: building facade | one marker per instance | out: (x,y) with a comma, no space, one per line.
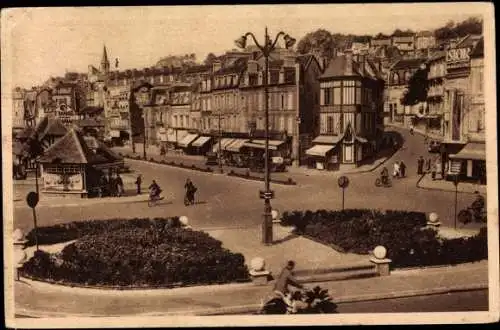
(424,40)
(435,121)
(464,152)
(18,122)
(398,77)
(351,103)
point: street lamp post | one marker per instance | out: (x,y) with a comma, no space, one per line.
(220,144)
(455,182)
(266,49)
(144,134)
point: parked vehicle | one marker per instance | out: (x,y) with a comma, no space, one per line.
(315,301)
(434,146)
(212,159)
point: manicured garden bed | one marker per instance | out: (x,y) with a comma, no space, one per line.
(408,241)
(134,253)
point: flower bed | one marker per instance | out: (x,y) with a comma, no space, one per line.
(136,253)
(403,233)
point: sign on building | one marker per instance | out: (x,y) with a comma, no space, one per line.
(458,58)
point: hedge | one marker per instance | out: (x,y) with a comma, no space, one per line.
(409,243)
(147,253)
(73,230)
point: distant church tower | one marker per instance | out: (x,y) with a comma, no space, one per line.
(104,62)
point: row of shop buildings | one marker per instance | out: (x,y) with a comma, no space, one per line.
(454,112)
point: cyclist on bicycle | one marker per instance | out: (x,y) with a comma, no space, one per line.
(384,175)
(154,190)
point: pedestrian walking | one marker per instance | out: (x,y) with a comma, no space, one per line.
(119,186)
(420,165)
(395,172)
(433,171)
(112,186)
(439,169)
(428,165)
(412,129)
(402,169)
(138,183)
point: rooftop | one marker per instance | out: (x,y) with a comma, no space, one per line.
(409,63)
(74,149)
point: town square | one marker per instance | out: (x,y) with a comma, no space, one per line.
(276,170)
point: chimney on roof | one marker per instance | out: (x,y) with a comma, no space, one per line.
(216,66)
(349,59)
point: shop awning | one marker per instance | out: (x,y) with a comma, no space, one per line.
(171,136)
(236,145)
(180,135)
(361,139)
(259,146)
(200,142)
(328,139)
(223,143)
(187,140)
(275,143)
(319,150)
(475,151)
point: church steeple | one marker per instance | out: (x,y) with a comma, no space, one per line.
(104,61)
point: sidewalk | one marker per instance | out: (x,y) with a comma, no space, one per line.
(293,171)
(57,201)
(426,182)
(45,300)
(416,130)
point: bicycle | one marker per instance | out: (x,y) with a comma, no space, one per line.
(154,200)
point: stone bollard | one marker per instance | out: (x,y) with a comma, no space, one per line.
(433,221)
(19,254)
(258,272)
(184,222)
(382,264)
(275,216)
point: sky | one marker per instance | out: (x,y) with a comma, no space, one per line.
(44,42)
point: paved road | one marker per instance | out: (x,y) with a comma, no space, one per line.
(449,302)
(232,202)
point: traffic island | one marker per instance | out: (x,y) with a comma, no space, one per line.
(134,253)
(409,240)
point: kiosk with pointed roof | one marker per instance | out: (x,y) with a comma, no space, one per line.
(75,164)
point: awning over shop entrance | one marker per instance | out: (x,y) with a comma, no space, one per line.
(275,143)
(236,145)
(329,139)
(259,146)
(187,140)
(319,150)
(223,143)
(201,141)
(475,151)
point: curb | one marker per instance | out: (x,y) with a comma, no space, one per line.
(438,189)
(97,202)
(353,299)
(254,308)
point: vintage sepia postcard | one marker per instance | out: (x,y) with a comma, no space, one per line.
(249,165)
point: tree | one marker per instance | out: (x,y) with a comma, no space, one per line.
(418,86)
(210,59)
(472,25)
(320,41)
